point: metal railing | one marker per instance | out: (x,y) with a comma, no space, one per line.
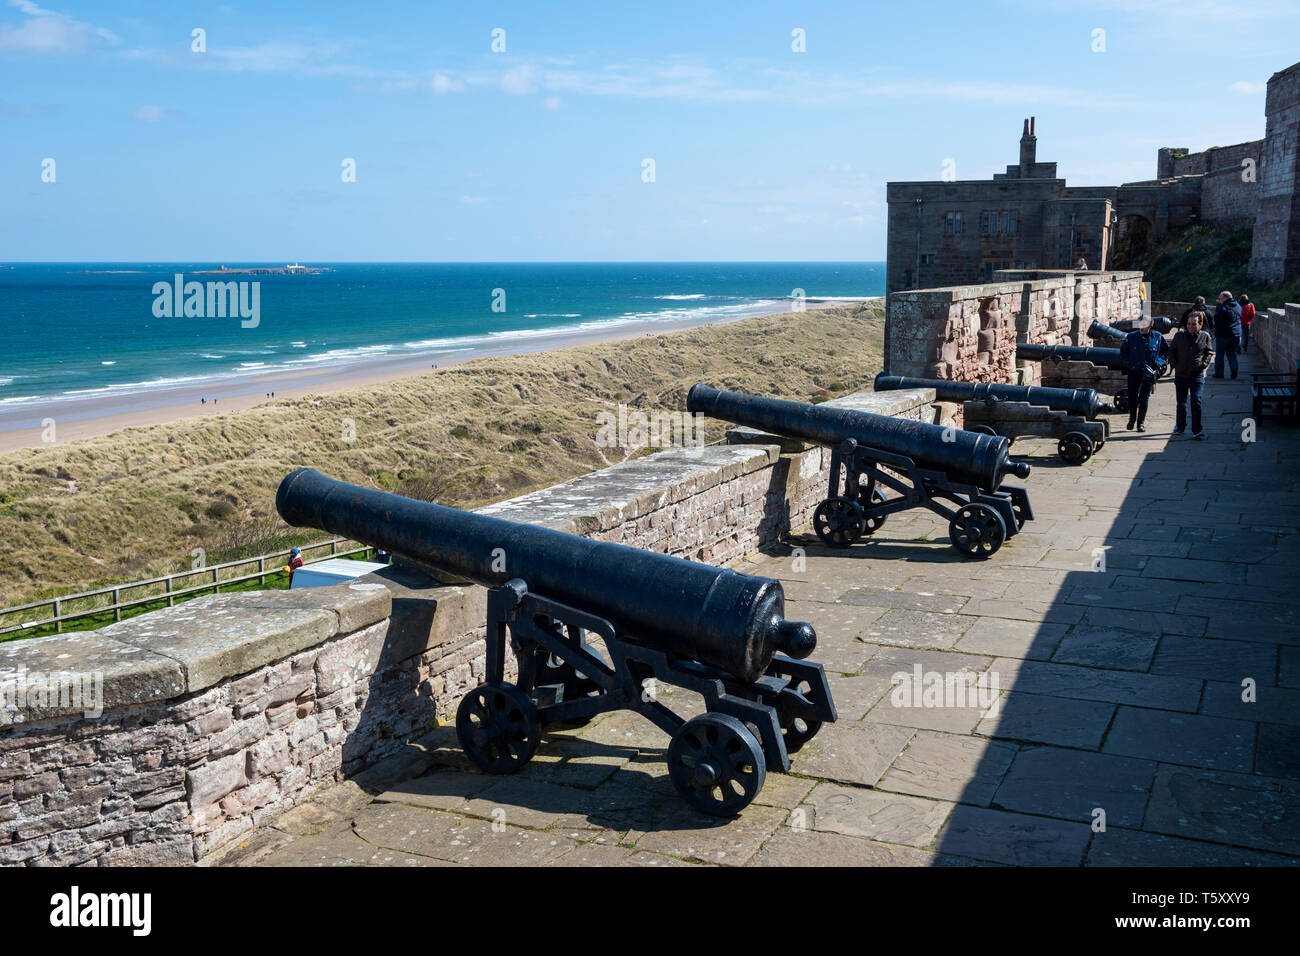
(168,587)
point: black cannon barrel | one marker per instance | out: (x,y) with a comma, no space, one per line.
(1077,401)
(1071,353)
(1106,333)
(730,620)
(1160,323)
(972,458)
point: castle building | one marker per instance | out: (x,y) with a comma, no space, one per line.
(947,233)
(951,233)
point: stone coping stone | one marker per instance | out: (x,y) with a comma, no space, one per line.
(892,404)
(605,499)
(183,649)
(127,675)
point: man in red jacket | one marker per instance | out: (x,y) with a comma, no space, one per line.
(1247,313)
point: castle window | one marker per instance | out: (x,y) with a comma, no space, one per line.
(952,225)
(988,223)
(1010,222)
(928,258)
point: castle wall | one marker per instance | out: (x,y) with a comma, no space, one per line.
(1276,333)
(1275,254)
(969,333)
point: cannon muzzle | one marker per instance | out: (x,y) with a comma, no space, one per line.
(716,616)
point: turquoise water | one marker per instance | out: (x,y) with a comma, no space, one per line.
(83,330)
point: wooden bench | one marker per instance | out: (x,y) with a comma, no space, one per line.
(1278,389)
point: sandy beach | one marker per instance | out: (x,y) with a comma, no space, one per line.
(27,426)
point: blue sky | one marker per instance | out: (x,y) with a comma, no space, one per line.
(536,153)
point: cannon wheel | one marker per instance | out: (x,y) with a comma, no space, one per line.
(839,522)
(977,531)
(498,727)
(716,764)
(870,496)
(1075,448)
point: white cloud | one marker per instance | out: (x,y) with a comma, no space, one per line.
(442,83)
(153,114)
(45,31)
(520,80)
(1245,86)
(551,103)
(473,200)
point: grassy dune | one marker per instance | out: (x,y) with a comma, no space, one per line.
(135,503)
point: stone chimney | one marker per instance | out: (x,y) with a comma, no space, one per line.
(1028,149)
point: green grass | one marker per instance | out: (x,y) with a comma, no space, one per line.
(1201,260)
(275,581)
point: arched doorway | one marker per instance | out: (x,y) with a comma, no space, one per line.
(1133,241)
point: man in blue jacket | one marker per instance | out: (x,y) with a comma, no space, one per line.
(1143,352)
(1227,333)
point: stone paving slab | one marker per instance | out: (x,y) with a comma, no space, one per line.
(1119,847)
(952,767)
(1075,784)
(1006,638)
(1244,810)
(1111,648)
(1192,739)
(1274,705)
(1036,718)
(852,752)
(1197,657)
(875,814)
(1014,838)
(1089,683)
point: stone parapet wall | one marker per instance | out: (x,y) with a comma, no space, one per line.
(218,714)
(1276,333)
(969,333)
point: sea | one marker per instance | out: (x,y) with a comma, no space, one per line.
(88,330)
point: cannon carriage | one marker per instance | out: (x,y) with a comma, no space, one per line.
(552,596)
(1070,415)
(882,465)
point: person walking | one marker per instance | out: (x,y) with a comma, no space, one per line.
(1144,354)
(1227,333)
(1206,315)
(1247,314)
(1190,354)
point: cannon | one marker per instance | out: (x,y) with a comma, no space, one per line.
(1017,411)
(1159,323)
(714,631)
(925,465)
(1106,357)
(1100,331)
